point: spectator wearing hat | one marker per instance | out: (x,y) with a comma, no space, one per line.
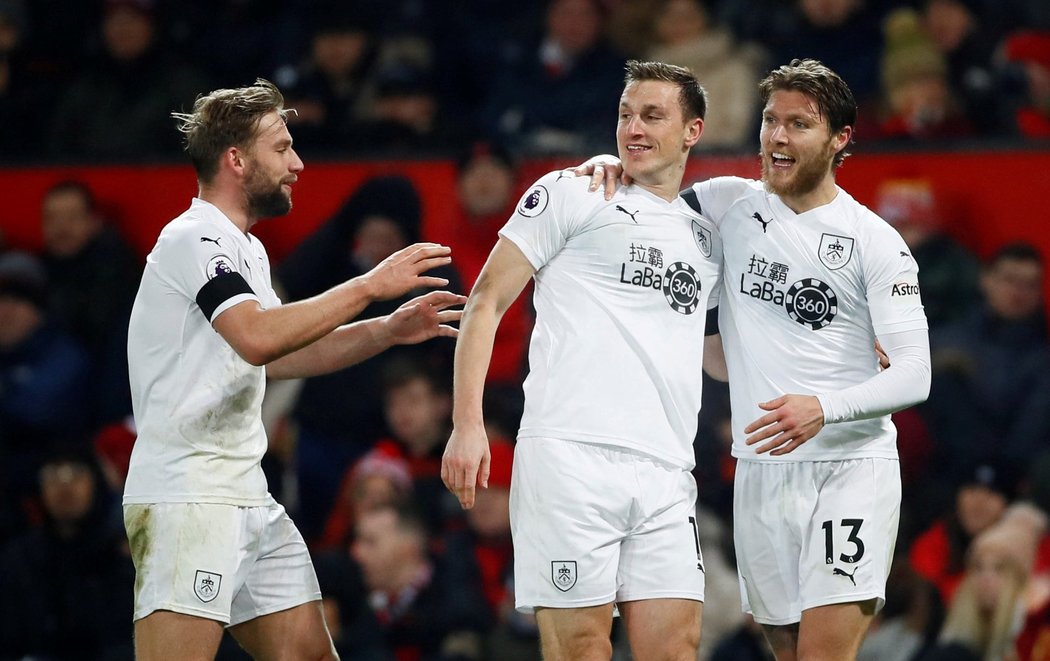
(338,417)
(917,93)
(982,495)
(948,272)
(378,478)
(43,375)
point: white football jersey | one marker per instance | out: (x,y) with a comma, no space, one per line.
(803,298)
(197,403)
(622,292)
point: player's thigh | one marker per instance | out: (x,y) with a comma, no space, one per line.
(165,635)
(834,632)
(296,633)
(576,634)
(663,628)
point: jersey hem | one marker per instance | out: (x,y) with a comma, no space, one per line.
(263,501)
(580,437)
(791,458)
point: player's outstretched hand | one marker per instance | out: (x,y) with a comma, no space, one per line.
(402,271)
(604,170)
(465,464)
(424,317)
(792,420)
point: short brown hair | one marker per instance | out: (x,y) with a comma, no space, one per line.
(226,118)
(833,96)
(691,94)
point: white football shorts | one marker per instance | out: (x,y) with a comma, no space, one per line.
(814,533)
(595,524)
(219,562)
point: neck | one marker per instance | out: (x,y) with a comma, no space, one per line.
(230,203)
(818,197)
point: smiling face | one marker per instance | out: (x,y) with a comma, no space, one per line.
(271,167)
(798,149)
(652,135)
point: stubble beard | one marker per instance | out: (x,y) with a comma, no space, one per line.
(807,176)
(266,200)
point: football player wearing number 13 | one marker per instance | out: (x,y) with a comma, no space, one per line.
(811,279)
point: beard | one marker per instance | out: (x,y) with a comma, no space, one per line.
(807,176)
(265,198)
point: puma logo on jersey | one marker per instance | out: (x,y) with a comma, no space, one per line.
(619,208)
(840,572)
(757,216)
(215,241)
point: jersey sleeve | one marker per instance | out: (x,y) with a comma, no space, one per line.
(542,221)
(713,198)
(207,273)
(892,283)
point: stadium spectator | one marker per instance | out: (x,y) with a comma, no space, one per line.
(339,416)
(917,93)
(685,34)
(985,614)
(377,479)
(328,88)
(967,32)
(938,553)
(66,586)
(545,100)
(948,272)
(991,369)
(118,108)
(92,277)
(487,188)
(43,371)
(392,597)
(1029,51)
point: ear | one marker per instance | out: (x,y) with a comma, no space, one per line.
(694,128)
(842,138)
(234,159)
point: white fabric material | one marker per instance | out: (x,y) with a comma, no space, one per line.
(904,383)
(594,524)
(197,403)
(804,297)
(814,533)
(622,288)
(195,559)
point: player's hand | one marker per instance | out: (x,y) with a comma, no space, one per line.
(465,464)
(401,272)
(604,170)
(424,317)
(792,420)
(884,360)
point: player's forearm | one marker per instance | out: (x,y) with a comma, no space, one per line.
(905,383)
(278,332)
(345,346)
(473,354)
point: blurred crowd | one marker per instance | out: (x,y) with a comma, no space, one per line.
(96,80)
(355,456)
